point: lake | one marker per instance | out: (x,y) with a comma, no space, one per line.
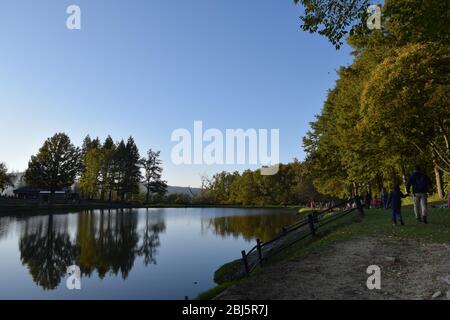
(127,254)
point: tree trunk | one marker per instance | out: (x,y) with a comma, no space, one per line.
(404,178)
(379,178)
(355,189)
(147,197)
(438,177)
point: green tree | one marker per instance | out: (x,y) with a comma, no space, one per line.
(404,21)
(107,170)
(127,168)
(55,166)
(5,178)
(408,99)
(220,187)
(152,174)
(91,156)
(333,19)
(89,181)
(361,141)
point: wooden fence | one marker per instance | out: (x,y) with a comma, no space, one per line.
(298,231)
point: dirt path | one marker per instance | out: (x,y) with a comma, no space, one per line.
(409,270)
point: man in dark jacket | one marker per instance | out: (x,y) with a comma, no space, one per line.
(420,184)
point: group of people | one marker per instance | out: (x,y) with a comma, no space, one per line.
(420,184)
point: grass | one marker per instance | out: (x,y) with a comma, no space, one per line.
(306,210)
(376,223)
(214,292)
(227,272)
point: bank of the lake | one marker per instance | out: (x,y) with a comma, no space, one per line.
(8,206)
(335,249)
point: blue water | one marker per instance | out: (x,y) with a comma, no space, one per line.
(127,254)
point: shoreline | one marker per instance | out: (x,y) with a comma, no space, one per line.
(376,226)
(8,206)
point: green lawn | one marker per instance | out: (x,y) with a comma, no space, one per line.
(377,223)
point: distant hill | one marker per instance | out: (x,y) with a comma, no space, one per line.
(184,190)
(18,182)
(181,190)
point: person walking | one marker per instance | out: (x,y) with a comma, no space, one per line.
(384,198)
(376,202)
(420,184)
(368,199)
(395,200)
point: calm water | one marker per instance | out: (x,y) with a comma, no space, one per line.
(127,254)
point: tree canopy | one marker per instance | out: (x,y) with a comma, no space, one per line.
(403,21)
(389,109)
(5,177)
(56,165)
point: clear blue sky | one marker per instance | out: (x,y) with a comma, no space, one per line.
(147,67)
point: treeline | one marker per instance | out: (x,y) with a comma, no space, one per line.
(6,178)
(99,170)
(292,185)
(390,109)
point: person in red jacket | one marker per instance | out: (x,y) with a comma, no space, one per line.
(376,202)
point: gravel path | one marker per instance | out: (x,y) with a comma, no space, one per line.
(409,270)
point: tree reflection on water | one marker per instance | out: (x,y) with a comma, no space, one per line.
(250,227)
(106,242)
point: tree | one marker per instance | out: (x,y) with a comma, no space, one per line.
(404,21)
(390,102)
(245,189)
(220,187)
(333,18)
(89,144)
(408,100)
(127,169)
(5,178)
(55,166)
(91,156)
(152,174)
(107,170)
(89,181)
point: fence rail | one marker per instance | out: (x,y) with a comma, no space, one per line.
(298,231)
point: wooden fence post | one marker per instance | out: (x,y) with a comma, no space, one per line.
(258,246)
(244,258)
(311,224)
(315,217)
(359,206)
